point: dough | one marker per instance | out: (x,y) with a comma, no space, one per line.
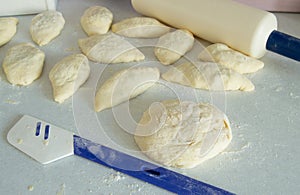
(140,27)
(125,85)
(46,26)
(96,20)
(173,45)
(208,76)
(8,28)
(230,58)
(185,133)
(109,48)
(68,75)
(23,64)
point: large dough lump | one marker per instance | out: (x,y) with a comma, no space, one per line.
(8,28)
(230,58)
(182,134)
(23,64)
(46,26)
(124,85)
(96,20)
(140,27)
(68,75)
(109,48)
(208,76)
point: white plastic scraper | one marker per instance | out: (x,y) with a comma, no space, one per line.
(46,143)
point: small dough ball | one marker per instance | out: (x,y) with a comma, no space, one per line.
(124,85)
(173,45)
(68,75)
(96,20)
(109,48)
(140,27)
(208,76)
(23,64)
(8,28)
(230,58)
(46,26)
(182,134)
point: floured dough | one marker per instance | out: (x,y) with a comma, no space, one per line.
(68,75)
(96,20)
(8,28)
(125,85)
(109,48)
(182,134)
(208,76)
(23,64)
(140,27)
(230,58)
(173,45)
(46,26)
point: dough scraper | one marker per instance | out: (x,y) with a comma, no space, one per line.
(46,143)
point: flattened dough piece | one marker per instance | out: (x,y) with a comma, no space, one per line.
(208,76)
(173,45)
(8,28)
(23,64)
(96,20)
(140,27)
(68,75)
(46,26)
(124,85)
(230,58)
(182,134)
(109,48)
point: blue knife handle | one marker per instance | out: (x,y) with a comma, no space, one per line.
(148,172)
(284,44)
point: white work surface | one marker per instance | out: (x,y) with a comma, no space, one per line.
(263,157)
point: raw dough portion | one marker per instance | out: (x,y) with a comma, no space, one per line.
(230,58)
(124,85)
(182,134)
(208,76)
(96,20)
(23,64)
(173,45)
(140,27)
(109,48)
(46,26)
(8,28)
(68,75)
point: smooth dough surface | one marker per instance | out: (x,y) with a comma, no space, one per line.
(23,64)
(68,75)
(96,20)
(173,45)
(140,27)
(230,58)
(208,76)
(8,28)
(124,85)
(182,134)
(109,48)
(46,26)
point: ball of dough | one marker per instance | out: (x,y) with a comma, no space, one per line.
(8,28)
(68,75)
(46,26)
(23,64)
(96,20)
(182,134)
(140,27)
(173,45)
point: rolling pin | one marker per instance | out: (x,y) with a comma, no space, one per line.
(247,29)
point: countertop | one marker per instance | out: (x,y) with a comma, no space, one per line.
(263,157)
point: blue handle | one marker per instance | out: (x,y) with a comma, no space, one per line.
(284,44)
(159,176)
